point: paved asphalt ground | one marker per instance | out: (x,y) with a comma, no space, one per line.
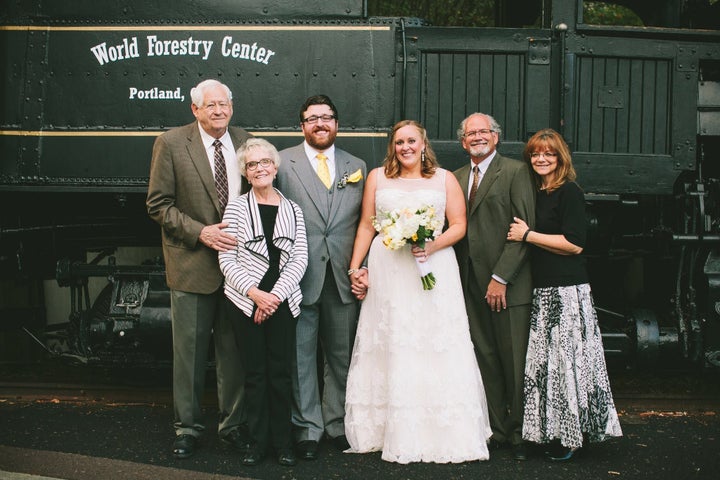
(671,430)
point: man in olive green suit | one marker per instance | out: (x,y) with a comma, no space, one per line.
(495,273)
(185,200)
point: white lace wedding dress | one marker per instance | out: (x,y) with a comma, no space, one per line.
(414,389)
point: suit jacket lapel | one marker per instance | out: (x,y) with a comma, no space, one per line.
(491,174)
(196,151)
(308,179)
(342,166)
(463,177)
(237,141)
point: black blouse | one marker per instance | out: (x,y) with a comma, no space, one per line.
(268,214)
(561,211)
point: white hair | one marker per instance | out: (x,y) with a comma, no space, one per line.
(198,93)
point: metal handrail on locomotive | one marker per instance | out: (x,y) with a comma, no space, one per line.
(88,87)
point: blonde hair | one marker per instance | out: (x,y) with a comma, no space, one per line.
(392,164)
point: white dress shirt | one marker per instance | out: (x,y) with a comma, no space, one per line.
(231,163)
(329,153)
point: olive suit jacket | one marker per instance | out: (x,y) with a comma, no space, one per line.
(506,190)
(182,199)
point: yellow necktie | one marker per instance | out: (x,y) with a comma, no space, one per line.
(323,171)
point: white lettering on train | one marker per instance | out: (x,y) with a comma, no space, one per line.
(190,46)
(113,53)
(155,93)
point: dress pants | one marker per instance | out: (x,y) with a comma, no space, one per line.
(267,351)
(334,323)
(500,340)
(196,319)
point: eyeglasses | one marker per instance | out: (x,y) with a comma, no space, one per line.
(264,163)
(536,155)
(314,118)
(476,133)
(212,106)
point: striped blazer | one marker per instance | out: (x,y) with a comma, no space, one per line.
(246,265)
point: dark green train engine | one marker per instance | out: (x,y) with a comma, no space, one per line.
(88,87)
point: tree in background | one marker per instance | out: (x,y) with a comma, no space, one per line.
(467,13)
(604,13)
(526,13)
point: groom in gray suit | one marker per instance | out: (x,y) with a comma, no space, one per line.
(328,185)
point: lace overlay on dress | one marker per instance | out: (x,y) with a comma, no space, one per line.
(414,389)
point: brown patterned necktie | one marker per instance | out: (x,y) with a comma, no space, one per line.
(221,180)
(323,170)
(476,180)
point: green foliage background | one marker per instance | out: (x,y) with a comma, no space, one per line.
(481,13)
(601,13)
(466,13)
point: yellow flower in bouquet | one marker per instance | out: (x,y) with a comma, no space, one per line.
(401,226)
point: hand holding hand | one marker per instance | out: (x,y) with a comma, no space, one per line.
(359,283)
(267,304)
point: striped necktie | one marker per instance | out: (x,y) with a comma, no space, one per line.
(323,171)
(221,180)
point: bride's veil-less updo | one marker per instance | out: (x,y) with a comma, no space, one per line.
(392,164)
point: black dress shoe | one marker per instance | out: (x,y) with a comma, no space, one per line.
(495,445)
(520,451)
(287,458)
(252,457)
(308,449)
(237,438)
(564,454)
(184,445)
(341,442)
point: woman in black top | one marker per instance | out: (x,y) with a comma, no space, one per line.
(262,280)
(567,391)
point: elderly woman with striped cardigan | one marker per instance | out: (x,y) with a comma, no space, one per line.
(262,278)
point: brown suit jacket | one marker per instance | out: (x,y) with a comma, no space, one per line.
(506,190)
(182,199)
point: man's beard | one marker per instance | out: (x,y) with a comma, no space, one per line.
(322,143)
(479,150)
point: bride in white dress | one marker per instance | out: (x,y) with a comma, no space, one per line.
(414,389)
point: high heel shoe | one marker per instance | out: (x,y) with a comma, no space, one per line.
(564,454)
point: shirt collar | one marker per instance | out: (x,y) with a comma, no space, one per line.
(311,152)
(208,139)
(483,166)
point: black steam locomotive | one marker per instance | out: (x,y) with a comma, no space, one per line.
(88,86)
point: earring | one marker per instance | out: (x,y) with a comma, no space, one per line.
(422,156)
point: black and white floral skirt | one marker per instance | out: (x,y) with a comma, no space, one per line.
(567,391)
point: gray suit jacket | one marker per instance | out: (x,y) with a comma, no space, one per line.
(506,191)
(182,198)
(331,217)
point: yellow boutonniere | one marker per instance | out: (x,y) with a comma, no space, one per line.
(354,177)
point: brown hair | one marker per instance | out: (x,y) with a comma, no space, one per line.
(549,139)
(392,164)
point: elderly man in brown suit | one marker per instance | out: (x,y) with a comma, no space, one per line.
(194,173)
(495,273)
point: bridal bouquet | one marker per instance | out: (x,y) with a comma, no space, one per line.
(405,225)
